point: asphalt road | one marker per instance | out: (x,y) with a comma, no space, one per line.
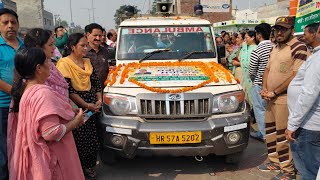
(187,168)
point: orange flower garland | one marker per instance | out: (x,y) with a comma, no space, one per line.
(227,73)
(209,69)
(114,76)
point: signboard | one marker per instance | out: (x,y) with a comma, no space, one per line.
(308,12)
(216,5)
(246,21)
(183,73)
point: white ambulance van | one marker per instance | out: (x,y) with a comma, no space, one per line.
(168,95)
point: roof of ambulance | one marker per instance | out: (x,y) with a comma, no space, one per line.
(160,21)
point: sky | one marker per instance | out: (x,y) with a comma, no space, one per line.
(104,10)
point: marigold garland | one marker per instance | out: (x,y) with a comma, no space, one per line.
(209,69)
(114,76)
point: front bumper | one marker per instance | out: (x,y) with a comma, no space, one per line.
(132,136)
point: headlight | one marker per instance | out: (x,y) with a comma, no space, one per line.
(228,103)
(120,105)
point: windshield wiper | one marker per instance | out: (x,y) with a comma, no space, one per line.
(148,55)
(192,53)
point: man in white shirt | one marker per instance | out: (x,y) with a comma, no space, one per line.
(303,130)
(112,38)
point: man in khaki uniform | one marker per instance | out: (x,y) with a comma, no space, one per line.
(285,60)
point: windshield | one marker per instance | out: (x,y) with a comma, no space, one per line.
(178,41)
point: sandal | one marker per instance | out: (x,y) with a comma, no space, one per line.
(90,173)
(284,176)
(267,167)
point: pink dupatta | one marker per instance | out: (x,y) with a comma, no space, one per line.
(57,82)
(28,152)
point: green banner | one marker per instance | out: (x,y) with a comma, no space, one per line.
(170,78)
(301,22)
(307,13)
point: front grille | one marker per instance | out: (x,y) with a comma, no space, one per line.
(185,118)
(158,106)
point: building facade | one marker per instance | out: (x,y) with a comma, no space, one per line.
(247,19)
(48,20)
(214,11)
(280,8)
(32,14)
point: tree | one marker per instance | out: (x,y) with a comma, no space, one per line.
(60,22)
(78,29)
(64,23)
(119,16)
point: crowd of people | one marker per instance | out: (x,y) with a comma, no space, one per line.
(48,80)
(281,83)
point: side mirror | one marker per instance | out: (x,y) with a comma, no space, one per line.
(112,56)
(111,52)
(221,51)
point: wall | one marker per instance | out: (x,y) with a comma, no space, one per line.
(186,7)
(32,14)
(246,14)
(266,14)
(279,9)
(10,5)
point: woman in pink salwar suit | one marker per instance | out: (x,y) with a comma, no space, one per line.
(43,147)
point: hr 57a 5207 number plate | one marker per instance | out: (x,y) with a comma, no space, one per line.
(175,137)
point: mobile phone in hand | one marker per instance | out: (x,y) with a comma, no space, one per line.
(87,115)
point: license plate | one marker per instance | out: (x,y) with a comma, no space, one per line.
(175,137)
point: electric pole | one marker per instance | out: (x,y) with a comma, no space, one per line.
(71,11)
(92,11)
